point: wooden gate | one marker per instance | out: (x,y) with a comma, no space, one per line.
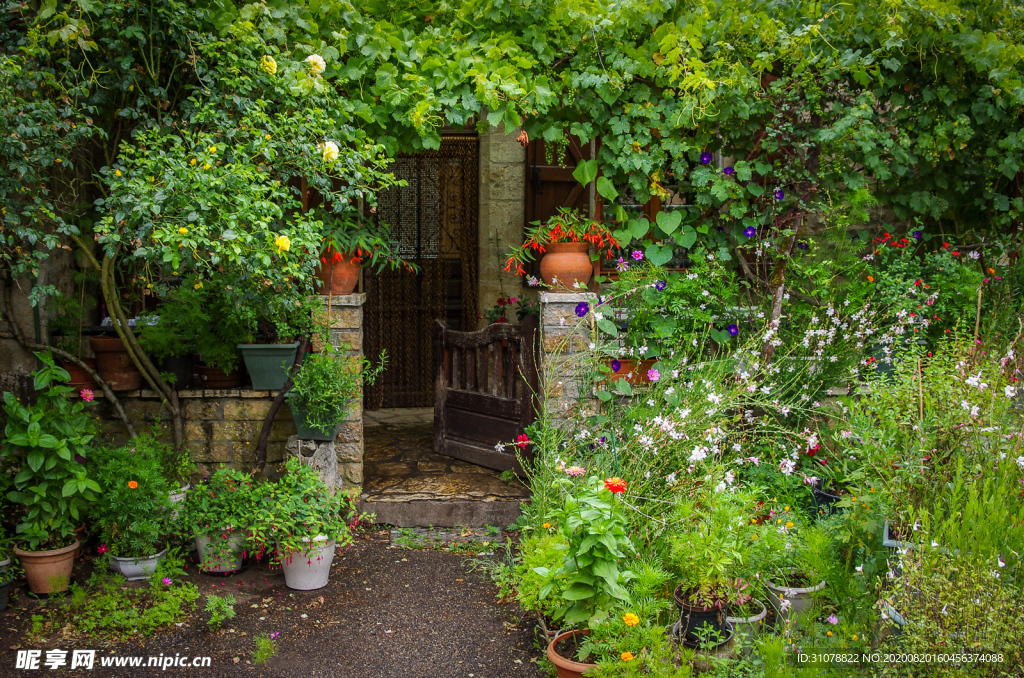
(486,391)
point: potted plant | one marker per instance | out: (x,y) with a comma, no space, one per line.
(792,585)
(708,552)
(564,241)
(305,521)
(132,510)
(217,513)
(593,524)
(169,334)
(271,323)
(504,307)
(114,364)
(323,388)
(49,442)
(7,569)
(350,242)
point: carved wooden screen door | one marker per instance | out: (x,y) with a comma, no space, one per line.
(433,223)
(486,393)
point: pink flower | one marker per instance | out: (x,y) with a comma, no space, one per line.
(653,375)
(167,581)
(833,620)
(101,549)
(575,470)
(522,440)
(87,395)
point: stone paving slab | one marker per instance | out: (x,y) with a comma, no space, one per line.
(399,416)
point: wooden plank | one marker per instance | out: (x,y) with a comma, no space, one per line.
(485,404)
(485,366)
(482,456)
(482,428)
(440,387)
(471,369)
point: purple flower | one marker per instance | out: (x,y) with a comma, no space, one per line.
(917,235)
(833,620)
(638,255)
(803,246)
(616,365)
(750,231)
(706,157)
(653,374)
(167,581)
(779,194)
(733,330)
(622,266)
(729,170)
(660,285)
(582,309)
(80,459)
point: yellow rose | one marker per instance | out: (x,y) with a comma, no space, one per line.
(282,243)
(213,149)
(206,166)
(198,285)
(183,230)
(268,65)
(117,173)
(192,161)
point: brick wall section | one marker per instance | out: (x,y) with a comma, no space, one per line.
(221,426)
(346,326)
(563,339)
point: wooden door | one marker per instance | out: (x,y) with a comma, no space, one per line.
(486,391)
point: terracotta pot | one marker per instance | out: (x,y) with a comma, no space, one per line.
(567,668)
(633,371)
(338,278)
(48,571)
(114,364)
(568,262)
(216,378)
(80,378)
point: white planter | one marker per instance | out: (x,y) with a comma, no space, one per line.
(179,497)
(800,599)
(749,627)
(308,571)
(136,569)
(218,554)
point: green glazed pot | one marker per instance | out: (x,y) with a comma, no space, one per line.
(268,364)
(307,432)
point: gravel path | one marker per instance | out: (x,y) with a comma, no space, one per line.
(387,612)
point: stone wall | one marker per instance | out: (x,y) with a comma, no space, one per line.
(502,186)
(223,426)
(564,340)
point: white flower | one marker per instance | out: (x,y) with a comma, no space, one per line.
(1010,391)
(787,466)
(670,478)
(329,151)
(720,487)
(499,447)
(532,281)
(1020,462)
(317,65)
(736,447)
(974,254)
(698,454)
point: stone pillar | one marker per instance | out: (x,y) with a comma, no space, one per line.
(345,320)
(564,364)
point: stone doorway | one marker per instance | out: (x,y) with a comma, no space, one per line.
(407,484)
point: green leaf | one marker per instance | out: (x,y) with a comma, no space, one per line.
(607,189)
(608,327)
(578,591)
(669,221)
(687,237)
(585,172)
(35,460)
(622,387)
(659,255)
(638,228)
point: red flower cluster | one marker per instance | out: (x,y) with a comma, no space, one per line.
(522,440)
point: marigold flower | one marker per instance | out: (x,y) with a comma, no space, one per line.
(87,395)
(615,485)
(630,619)
(789,524)
(871,278)
(546,526)
(268,65)
(991,270)
(282,243)
(132,484)
(117,173)
(627,656)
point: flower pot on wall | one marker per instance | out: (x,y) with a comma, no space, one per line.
(825,498)
(114,364)
(80,378)
(308,571)
(216,378)
(136,569)
(567,668)
(305,430)
(182,367)
(566,262)
(633,371)
(751,625)
(48,571)
(268,364)
(338,277)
